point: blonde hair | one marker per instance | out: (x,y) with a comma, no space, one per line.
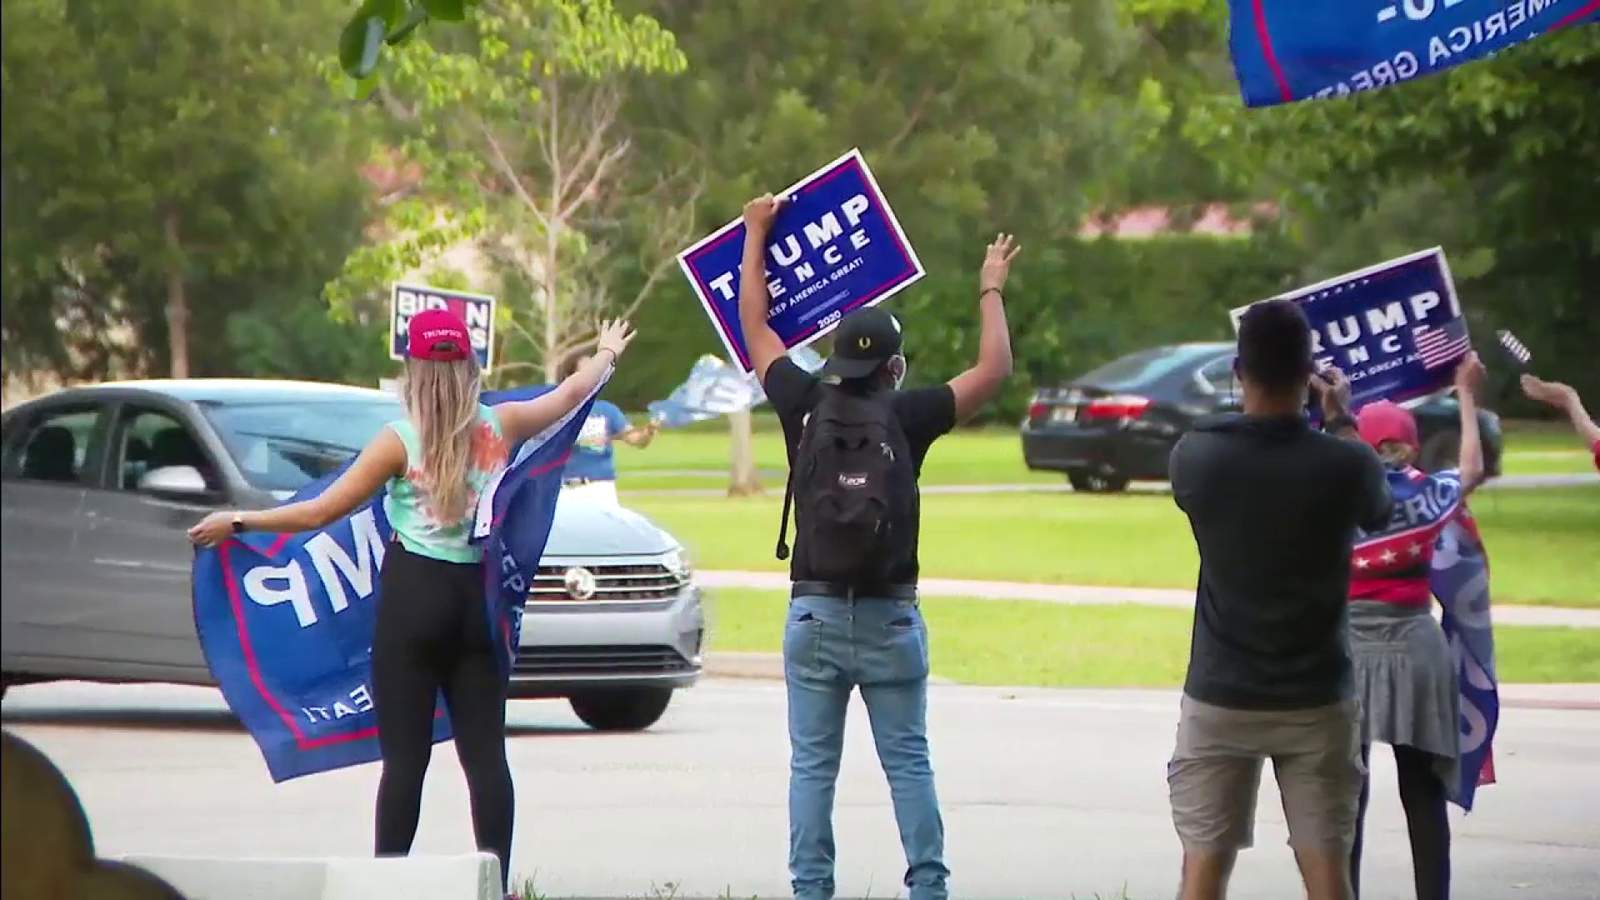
(1396,453)
(441,400)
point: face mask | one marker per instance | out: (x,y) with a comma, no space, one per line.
(899,371)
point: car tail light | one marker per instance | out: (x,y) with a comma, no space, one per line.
(1116,406)
(1037,410)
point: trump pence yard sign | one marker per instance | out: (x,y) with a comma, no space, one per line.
(835,247)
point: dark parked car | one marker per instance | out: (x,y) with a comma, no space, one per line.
(1118,423)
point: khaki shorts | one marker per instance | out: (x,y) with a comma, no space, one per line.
(1216,771)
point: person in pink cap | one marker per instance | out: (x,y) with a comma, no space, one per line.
(431,636)
(1405,676)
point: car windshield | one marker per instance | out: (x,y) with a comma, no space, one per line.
(1138,370)
(282,446)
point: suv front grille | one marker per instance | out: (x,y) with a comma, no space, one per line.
(600,659)
(613,584)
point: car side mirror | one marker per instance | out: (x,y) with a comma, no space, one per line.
(179,482)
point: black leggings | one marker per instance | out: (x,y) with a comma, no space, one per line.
(432,636)
(1422,795)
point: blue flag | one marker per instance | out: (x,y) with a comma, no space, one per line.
(1287,50)
(1460,580)
(286,621)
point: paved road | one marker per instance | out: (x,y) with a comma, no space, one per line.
(1099,595)
(1046,794)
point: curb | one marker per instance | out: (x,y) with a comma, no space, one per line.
(474,876)
(769,667)
(1107,595)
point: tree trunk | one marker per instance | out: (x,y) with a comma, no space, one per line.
(177,302)
(744,481)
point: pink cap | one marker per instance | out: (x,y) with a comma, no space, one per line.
(437,335)
(1385,421)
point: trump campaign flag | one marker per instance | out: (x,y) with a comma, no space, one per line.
(1460,579)
(836,246)
(1287,50)
(286,621)
(1395,329)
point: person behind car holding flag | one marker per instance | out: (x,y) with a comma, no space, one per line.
(592,470)
(432,636)
(1405,673)
(856,444)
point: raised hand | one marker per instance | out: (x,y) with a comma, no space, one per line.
(1333,389)
(997,263)
(1470,374)
(615,336)
(760,213)
(1554,393)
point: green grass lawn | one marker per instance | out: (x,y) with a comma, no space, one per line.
(988,455)
(1544,545)
(1021,643)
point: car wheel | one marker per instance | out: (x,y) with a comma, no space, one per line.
(629,710)
(1440,451)
(1096,483)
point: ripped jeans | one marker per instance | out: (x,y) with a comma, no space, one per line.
(831,646)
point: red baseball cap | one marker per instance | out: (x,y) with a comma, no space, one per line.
(437,335)
(1385,421)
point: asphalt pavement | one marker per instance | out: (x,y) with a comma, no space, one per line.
(1045,794)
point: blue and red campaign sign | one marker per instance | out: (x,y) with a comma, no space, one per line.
(477,310)
(836,246)
(1287,50)
(286,621)
(1395,329)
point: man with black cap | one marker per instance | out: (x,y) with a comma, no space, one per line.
(856,444)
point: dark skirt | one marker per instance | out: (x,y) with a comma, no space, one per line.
(1405,679)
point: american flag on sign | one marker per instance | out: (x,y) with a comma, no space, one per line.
(1443,345)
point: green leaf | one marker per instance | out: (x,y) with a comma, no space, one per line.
(362,37)
(353,44)
(414,18)
(445,10)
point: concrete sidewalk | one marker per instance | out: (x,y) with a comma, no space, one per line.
(1099,595)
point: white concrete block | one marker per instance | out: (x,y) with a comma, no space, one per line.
(467,877)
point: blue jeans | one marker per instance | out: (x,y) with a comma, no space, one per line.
(829,647)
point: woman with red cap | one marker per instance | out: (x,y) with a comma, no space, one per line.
(431,635)
(1405,674)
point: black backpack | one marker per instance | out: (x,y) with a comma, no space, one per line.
(854,490)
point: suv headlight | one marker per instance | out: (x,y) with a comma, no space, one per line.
(678,563)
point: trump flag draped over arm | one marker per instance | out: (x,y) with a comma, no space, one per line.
(1460,580)
(286,621)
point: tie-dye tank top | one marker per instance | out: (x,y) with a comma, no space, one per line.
(406,504)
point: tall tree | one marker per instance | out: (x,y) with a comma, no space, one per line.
(512,124)
(161,164)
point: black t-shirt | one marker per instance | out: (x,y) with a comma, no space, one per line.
(925,415)
(1274,507)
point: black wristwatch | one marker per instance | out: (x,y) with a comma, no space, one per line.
(1339,423)
(238,523)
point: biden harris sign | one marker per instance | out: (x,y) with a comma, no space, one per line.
(836,246)
(475,310)
(1395,329)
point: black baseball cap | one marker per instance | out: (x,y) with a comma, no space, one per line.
(863,342)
